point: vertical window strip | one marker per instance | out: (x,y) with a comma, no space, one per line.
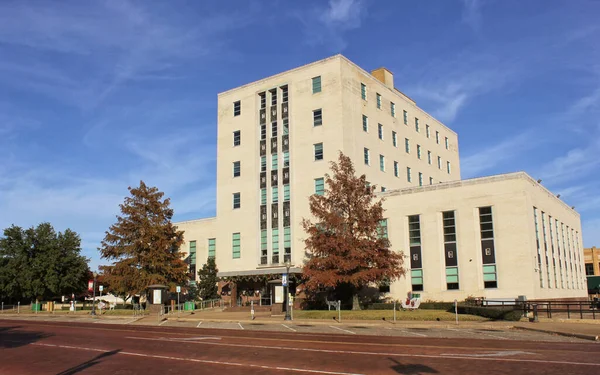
(546,249)
(263,196)
(286,193)
(236,245)
(488,251)
(414,242)
(275,240)
(286,159)
(275,194)
(450,249)
(286,126)
(274,162)
(212,247)
(263,163)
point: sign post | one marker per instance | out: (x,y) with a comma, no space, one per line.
(178,307)
(101,304)
(456,310)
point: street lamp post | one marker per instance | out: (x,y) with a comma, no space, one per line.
(94,295)
(286,291)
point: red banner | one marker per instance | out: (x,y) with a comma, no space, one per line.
(91,285)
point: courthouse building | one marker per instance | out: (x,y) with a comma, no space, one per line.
(501,236)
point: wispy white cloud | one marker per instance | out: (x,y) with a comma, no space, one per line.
(472,15)
(327,25)
(502,152)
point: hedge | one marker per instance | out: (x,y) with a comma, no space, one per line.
(491,312)
(446,306)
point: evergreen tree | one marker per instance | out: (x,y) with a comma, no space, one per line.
(39,263)
(143,245)
(346,246)
(208,280)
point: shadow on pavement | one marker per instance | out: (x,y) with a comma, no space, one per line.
(411,369)
(88,364)
(13,337)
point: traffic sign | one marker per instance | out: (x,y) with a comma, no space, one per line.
(178,289)
(101,287)
(284,279)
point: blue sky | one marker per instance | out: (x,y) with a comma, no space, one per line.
(96,95)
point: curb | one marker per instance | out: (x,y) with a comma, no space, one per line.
(561,333)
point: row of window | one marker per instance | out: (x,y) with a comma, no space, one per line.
(381,132)
(237,105)
(382,165)
(563,266)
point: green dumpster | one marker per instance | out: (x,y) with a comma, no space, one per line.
(189,306)
(36,307)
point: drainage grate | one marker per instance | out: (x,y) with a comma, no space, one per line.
(257,324)
(304,325)
(418,329)
(359,327)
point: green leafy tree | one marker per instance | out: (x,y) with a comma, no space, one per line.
(346,246)
(208,280)
(143,245)
(39,263)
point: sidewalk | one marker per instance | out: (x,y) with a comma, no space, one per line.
(579,329)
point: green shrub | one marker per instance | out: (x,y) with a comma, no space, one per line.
(448,306)
(494,313)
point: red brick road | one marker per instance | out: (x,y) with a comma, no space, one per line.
(63,348)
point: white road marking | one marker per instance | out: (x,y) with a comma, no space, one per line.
(493,354)
(290,328)
(240,324)
(131,321)
(195,338)
(413,333)
(487,334)
(454,356)
(163,322)
(202,360)
(345,330)
(198,326)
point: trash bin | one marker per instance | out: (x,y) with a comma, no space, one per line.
(36,307)
(189,306)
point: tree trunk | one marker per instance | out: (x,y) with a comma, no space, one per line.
(355,302)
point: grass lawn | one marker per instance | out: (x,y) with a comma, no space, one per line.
(442,315)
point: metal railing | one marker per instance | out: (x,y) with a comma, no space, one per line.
(551,308)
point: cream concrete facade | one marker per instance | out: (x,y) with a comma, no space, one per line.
(348,95)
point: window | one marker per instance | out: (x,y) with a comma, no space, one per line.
(382,163)
(378,101)
(427,131)
(275,243)
(273,97)
(319,186)
(448,167)
(382,229)
(263,196)
(395,169)
(365,123)
(437,137)
(439,162)
(486,226)
(429,157)
(393,109)
(405,116)
(237,200)
(237,108)
(318,151)
(589,269)
(446,142)
(287,244)
(263,247)
(363,91)
(316,84)
(286,193)
(383,189)
(394,139)
(367,156)
(414,241)
(450,249)
(192,258)
(235,245)
(236,169)
(263,163)
(286,159)
(317,117)
(419,151)
(417,125)
(430,180)
(237,138)
(274,129)
(274,162)
(407,145)
(408,174)
(286,126)
(275,194)
(284,94)
(380,131)
(420,179)
(263,100)
(263,131)
(212,247)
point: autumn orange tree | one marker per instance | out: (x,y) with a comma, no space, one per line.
(345,244)
(143,245)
